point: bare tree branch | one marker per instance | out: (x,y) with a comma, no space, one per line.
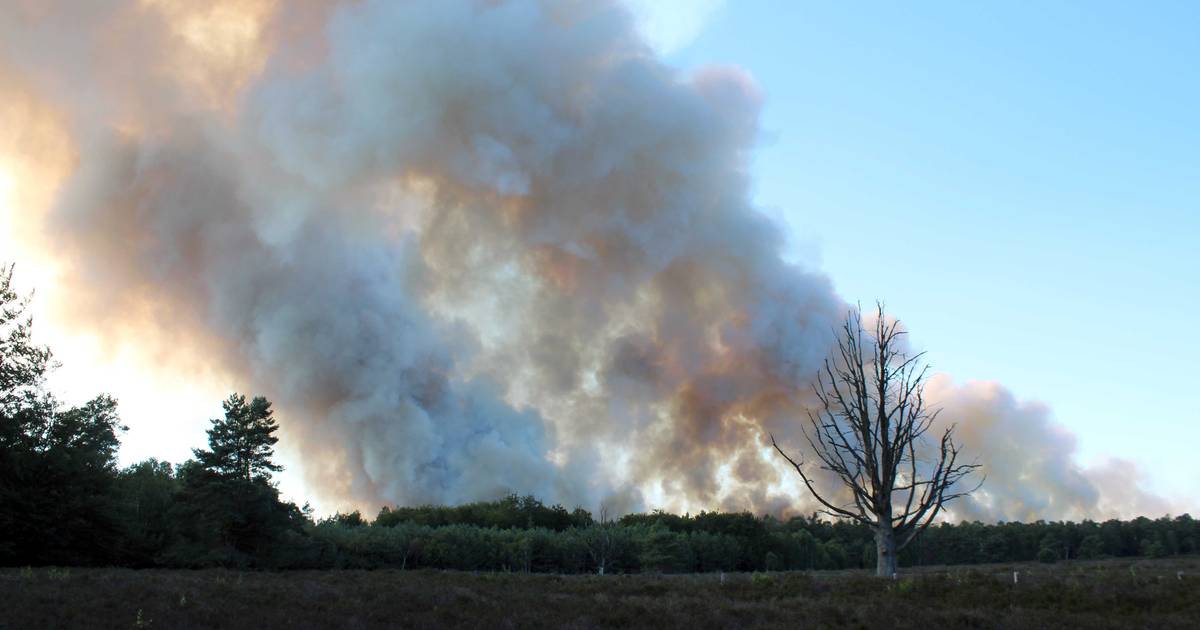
(869,430)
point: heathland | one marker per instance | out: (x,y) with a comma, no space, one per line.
(1161,593)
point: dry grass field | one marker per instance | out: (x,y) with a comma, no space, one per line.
(1105,594)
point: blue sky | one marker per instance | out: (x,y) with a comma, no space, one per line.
(1019,181)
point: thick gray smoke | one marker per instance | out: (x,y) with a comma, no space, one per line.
(469,246)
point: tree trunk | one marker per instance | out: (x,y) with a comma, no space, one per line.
(885,550)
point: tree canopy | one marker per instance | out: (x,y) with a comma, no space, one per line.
(241,445)
(57,465)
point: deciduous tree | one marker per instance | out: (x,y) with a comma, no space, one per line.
(56,465)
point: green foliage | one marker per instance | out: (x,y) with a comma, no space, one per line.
(714,552)
(145,495)
(57,465)
(643,543)
(241,444)
(995,547)
(662,550)
(350,519)
(226,511)
(512,511)
(832,555)
(1091,547)
(229,522)
(23,365)
(1154,549)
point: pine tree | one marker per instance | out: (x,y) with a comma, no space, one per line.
(228,507)
(241,444)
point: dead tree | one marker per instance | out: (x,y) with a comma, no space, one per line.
(599,540)
(869,430)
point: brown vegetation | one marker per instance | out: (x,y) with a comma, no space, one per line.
(1107,594)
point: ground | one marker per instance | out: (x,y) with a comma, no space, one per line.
(1104,594)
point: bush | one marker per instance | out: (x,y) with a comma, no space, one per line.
(511,512)
(1091,547)
(1154,549)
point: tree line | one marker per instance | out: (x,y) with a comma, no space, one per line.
(65,501)
(710,541)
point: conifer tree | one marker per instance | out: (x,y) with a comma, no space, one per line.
(241,445)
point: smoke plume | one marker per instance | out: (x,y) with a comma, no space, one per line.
(467,246)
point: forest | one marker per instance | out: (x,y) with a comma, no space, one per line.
(65,501)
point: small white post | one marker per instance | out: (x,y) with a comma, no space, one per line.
(722,577)
(1179,575)
(1016,577)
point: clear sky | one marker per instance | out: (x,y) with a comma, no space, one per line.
(1020,181)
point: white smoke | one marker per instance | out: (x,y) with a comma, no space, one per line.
(468,247)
